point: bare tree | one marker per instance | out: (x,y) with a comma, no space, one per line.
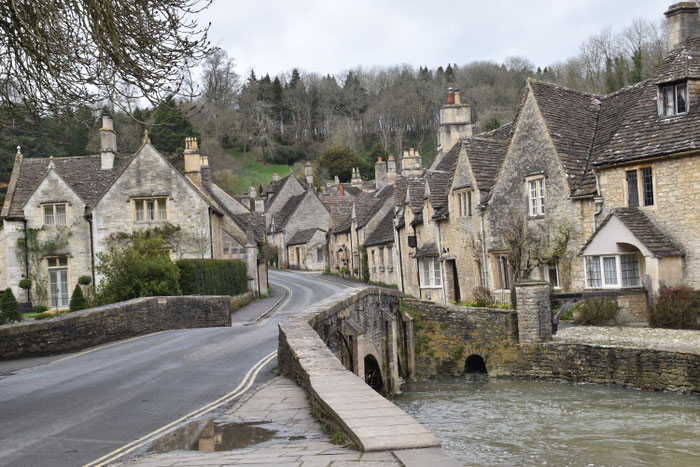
(56,54)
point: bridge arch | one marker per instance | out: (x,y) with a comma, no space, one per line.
(475,365)
(373,373)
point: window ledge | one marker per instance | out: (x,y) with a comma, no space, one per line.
(431,287)
(537,217)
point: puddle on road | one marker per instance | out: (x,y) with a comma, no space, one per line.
(229,436)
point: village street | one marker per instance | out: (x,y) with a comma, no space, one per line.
(73,409)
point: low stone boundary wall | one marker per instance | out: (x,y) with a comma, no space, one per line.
(239,301)
(339,397)
(446,335)
(623,366)
(86,328)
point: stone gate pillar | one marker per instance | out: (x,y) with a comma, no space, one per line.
(534,311)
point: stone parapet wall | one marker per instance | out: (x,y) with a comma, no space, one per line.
(94,326)
(445,335)
(623,366)
(340,398)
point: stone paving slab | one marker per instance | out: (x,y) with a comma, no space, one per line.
(670,340)
(304,444)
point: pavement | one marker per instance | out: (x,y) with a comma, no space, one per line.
(288,435)
(72,409)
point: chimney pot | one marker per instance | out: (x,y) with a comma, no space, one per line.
(457,99)
(450,96)
(341,190)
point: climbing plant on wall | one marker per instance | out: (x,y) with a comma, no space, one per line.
(31,251)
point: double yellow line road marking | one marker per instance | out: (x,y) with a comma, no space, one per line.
(242,388)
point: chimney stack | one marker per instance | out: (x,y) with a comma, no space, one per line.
(391,171)
(682,21)
(356,178)
(193,161)
(336,180)
(275,176)
(411,164)
(380,173)
(252,192)
(309,172)
(108,143)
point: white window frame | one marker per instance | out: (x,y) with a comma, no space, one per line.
(666,109)
(150,209)
(536,192)
(430,273)
(605,284)
(52,208)
(60,299)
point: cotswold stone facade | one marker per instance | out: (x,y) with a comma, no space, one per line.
(65,209)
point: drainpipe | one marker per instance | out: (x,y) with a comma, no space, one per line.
(442,269)
(257,276)
(352,256)
(88,218)
(398,242)
(26,254)
(211,235)
(598,203)
(484,280)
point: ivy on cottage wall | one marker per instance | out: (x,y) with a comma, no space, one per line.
(33,249)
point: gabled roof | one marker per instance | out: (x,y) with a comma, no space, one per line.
(341,209)
(383,233)
(369,203)
(82,173)
(416,194)
(247,221)
(274,188)
(283,216)
(641,226)
(302,237)
(681,63)
(571,118)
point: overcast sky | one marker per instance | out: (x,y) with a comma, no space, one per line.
(329,36)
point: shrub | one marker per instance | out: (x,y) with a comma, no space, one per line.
(136,266)
(40,309)
(77,300)
(9,308)
(84,280)
(365,264)
(285,155)
(212,276)
(483,297)
(676,308)
(597,311)
(25,284)
(44,316)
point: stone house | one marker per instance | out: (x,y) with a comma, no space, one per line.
(64,209)
(305,249)
(646,166)
(301,212)
(381,254)
(338,237)
(278,192)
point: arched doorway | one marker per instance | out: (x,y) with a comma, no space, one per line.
(373,375)
(475,365)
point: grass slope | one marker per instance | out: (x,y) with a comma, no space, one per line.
(255,172)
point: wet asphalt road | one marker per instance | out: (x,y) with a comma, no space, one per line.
(67,412)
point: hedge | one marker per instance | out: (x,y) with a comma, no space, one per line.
(212,276)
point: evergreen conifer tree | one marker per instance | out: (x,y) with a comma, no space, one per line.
(77,300)
(9,308)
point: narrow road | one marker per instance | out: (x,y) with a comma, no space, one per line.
(74,409)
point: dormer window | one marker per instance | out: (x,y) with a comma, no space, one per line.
(674,99)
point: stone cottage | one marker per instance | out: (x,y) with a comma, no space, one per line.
(64,209)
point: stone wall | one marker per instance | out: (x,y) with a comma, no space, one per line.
(623,366)
(445,335)
(87,328)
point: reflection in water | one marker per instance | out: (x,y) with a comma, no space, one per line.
(510,422)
